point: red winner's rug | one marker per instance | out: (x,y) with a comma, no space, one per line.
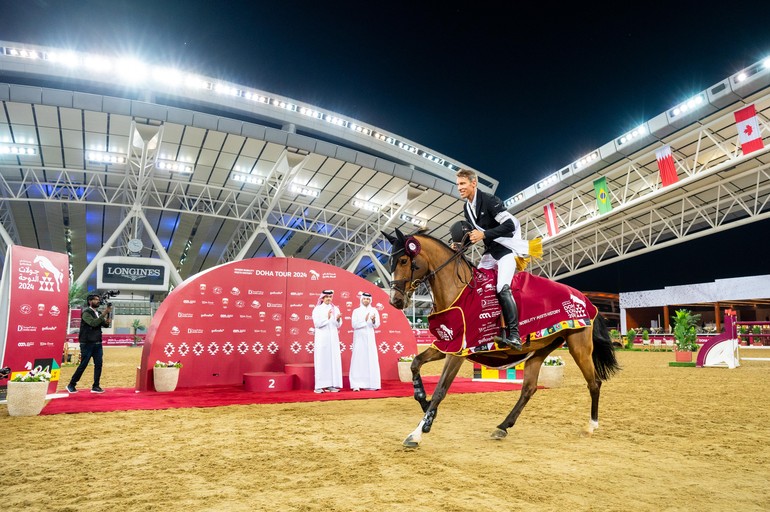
(545,307)
(127,399)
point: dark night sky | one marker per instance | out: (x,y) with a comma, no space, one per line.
(516,95)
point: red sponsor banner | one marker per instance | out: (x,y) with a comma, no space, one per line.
(113,340)
(36,309)
(256,316)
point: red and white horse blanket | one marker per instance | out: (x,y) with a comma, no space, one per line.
(545,307)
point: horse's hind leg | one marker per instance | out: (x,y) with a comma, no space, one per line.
(581,348)
(448,374)
(528,387)
(426,356)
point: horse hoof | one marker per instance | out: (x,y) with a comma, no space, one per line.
(499,434)
(409,442)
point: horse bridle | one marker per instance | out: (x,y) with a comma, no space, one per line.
(414,283)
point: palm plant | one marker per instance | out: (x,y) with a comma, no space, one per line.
(136,325)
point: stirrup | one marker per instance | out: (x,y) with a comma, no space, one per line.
(514,343)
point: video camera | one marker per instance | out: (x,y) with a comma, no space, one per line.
(5,372)
(105,297)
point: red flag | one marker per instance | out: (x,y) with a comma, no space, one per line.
(551,221)
(748,130)
(666,166)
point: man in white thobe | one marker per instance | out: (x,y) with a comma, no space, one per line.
(364,363)
(327,359)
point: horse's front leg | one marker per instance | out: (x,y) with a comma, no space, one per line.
(426,356)
(448,374)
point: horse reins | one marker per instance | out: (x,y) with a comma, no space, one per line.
(417,282)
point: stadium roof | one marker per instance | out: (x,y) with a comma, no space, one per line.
(96,151)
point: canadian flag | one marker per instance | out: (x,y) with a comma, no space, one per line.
(551,221)
(748,130)
(666,166)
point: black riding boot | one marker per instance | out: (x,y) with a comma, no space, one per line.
(510,337)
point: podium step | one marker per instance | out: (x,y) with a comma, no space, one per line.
(304,374)
(266,382)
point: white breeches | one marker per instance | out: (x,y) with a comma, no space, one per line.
(506,268)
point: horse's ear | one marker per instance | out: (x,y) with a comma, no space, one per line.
(390,238)
(400,236)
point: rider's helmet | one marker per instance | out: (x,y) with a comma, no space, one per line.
(459,230)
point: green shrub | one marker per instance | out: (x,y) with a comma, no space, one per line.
(630,337)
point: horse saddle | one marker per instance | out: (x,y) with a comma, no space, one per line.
(473,320)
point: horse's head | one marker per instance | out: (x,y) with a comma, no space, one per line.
(408,267)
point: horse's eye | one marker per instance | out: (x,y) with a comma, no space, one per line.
(403,261)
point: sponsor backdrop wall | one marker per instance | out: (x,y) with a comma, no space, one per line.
(256,315)
(33,310)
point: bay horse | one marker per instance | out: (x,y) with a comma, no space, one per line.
(447,272)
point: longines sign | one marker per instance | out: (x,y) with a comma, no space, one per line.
(127,273)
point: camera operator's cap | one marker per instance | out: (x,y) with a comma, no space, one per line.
(92,295)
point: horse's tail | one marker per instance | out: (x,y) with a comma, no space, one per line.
(604,353)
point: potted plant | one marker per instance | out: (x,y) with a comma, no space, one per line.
(755,339)
(685,334)
(165,375)
(744,330)
(630,337)
(405,368)
(551,372)
(27,391)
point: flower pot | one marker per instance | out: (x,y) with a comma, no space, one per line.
(683,356)
(26,398)
(405,371)
(165,379)
(550,376)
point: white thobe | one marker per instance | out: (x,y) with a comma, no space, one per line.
(326,355)
(364,363)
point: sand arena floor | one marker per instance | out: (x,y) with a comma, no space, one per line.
(669,439)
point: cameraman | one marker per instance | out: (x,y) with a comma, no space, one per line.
(90,337)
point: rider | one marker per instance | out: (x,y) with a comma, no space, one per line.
(494,225)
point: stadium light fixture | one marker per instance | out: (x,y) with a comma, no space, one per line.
(106,158)
(586,160)
(246,178)
(513,200)
(632,135)
(304,190)
(174,166)
(688,106)
(131,70)
(17,150)
(366,205)
(411,218)
(547,182)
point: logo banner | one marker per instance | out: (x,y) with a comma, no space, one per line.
(34,307)
(126,273)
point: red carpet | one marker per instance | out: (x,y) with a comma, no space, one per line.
(126,399)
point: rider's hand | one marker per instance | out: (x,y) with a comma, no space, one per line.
(476,236)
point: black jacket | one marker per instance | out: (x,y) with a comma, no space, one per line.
(91,326)
(488,207)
